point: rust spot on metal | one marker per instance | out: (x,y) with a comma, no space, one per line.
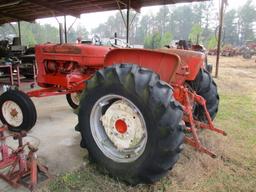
(14,113)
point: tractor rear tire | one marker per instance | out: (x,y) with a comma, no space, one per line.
(205,86)
(150,111)
(17,110)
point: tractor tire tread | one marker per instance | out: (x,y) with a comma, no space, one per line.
(27,106)
(156,95)
(206,87)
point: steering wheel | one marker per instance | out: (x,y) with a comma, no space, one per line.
(96,40)
(122,44)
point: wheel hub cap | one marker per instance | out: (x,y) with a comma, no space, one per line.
(12,113)
(123,125)
(118,128)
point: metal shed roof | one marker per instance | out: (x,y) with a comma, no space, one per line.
(29,10)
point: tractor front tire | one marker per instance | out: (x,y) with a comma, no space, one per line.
(17,111)
(73,99)
(130,123)
(205,86)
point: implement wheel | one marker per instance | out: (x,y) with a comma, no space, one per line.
(17,110)
(205,86)
(130,123)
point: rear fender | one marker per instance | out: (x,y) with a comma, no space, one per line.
(191,63)
(164,64)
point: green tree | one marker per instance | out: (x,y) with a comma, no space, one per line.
(82,32)
(230,28)
(6,30)
(52,34)
(100,30)
(162,19)
(246,18)
(143,29)
(148,42)
(166,39)
(177,21)
(116,24)
(183,17)
(72,35)
(152,41)
(195,33)
(155,40)
(212,43)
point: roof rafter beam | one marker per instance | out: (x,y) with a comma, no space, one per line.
(54,7)
(136,5)
(18,18)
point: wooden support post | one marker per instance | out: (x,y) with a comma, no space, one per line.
(61,32)
(65,29)
(19,31)
(219,37)
(128,21)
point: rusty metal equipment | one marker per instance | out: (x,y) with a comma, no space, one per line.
(229,51)
(18,167)
(187,98)
(212,52)
(249,49)
(13,74)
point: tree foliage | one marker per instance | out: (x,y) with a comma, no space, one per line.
(197,21)
(195,33)
(194,22)
(212,43)
(246,19)
(35,33)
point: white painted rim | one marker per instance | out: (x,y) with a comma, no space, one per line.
(75,97)
(12,113)
(120,147)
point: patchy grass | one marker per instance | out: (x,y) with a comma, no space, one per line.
(89,179)
(233,170)
(237,166)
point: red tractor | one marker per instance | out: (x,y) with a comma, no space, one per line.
(135,105)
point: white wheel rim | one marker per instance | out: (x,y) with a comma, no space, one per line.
(75,97)
(12,113)
(119,145)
